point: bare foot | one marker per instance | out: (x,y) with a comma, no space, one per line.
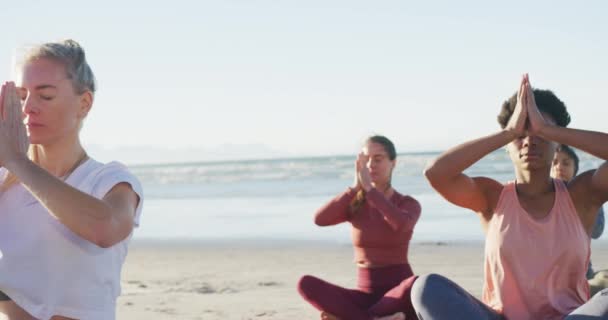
(396,316)
(328,316)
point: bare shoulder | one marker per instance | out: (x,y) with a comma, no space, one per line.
(581,192)
(491,190)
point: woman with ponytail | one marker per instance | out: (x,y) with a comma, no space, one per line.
(382,222)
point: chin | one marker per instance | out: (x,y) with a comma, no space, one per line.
(37,140)
(534,165)
(34,140)
(378,183)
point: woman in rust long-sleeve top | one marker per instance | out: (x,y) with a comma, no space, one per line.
(382,222)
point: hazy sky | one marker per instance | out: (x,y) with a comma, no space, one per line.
(255,78)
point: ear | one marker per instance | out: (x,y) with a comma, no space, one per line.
(86,102)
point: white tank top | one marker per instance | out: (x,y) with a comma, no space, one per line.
(47,269)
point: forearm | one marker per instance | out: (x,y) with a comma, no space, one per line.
(454,161)
(85,215)
(592,142)
(396,217)
(336,211)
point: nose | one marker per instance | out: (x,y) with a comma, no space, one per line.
(529,140)
(29,106)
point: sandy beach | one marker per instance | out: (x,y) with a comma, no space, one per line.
(206,280)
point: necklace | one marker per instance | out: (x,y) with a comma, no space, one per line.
(82,159)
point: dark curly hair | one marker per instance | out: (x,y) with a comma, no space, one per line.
(546,101)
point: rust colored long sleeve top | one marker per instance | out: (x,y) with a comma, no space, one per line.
(381,228)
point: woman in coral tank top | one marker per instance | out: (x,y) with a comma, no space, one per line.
(537,228)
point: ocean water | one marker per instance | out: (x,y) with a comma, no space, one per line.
(276,199)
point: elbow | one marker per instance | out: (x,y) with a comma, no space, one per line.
(108,234)
(397,226)
(409,221)
(407,225)
(323,217)
(103,239)
(105,244)
(401,225)
(430,172)
(434,175)
(320,222)
(98,236)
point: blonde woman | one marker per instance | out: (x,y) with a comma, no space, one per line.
(65,219)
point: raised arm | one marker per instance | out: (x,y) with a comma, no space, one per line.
(13,136)
(445,174)
(101,221)
(401,216)
(592,142)
(404,215)
(590,187)
(337,210)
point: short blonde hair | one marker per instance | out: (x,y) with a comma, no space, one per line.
(71,55)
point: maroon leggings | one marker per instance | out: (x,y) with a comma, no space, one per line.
(380,292)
